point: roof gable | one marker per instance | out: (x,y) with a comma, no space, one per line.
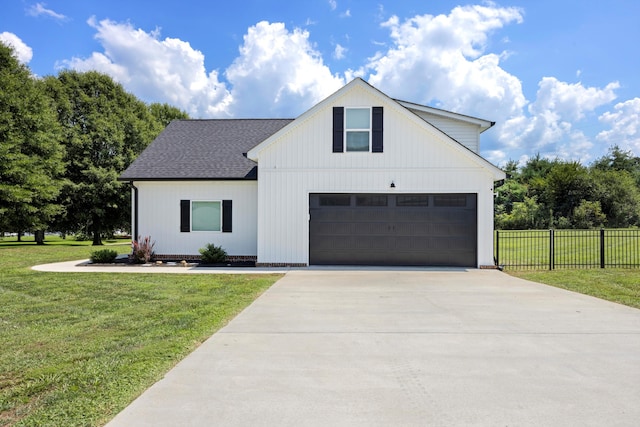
(404,111)
(203,149)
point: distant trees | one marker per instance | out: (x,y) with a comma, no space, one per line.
(547,193)
(31,156)
(64,140)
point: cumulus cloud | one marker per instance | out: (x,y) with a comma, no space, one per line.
(23,52)
(167,70)
(278,73)
(550,127)
(624,122)
(445,57)
(39,9)
(443,61)
(339,51)
(447,61)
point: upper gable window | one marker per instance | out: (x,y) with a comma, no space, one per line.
(357,129)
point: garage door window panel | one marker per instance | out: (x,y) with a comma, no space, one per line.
(373,200)
(412,201)
(450,201)
(335,200)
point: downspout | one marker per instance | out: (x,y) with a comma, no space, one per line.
(134,226)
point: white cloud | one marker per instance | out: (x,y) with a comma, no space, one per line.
(441,59)
(278,73)
(333,4)
(625,125)
(346,14)
(23,52)
(571,101)
(168,70)
(550,127)
(339,51)
(446,61)
(39,9)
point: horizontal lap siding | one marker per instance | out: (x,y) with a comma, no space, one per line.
(466,134)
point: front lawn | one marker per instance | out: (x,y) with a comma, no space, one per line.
(617,285)
(76,348)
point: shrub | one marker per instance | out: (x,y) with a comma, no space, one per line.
(212,254)
(143,250)
(103,256)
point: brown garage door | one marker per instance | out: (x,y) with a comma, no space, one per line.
(393,229)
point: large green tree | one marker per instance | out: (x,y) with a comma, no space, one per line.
(165,113)
(31,157)
(104,129)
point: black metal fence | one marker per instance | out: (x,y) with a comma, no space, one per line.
(551,249)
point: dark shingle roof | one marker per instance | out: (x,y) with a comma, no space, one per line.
(203,149)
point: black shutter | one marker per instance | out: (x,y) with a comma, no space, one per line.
(338,129)
(227,215)
(376,136)
(185,216)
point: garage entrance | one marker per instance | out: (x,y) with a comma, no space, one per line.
(393,229)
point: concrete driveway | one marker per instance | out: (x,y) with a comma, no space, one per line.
(408,348)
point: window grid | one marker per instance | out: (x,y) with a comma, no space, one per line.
(357,126)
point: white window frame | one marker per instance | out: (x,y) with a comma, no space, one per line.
(346,131)
(219,202)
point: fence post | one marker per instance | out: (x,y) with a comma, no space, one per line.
(602,248)
(497,248)
(551,248)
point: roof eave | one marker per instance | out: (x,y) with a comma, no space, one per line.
(482,123)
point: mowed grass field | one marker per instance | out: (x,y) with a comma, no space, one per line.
(576,261)
(76,348)
(619,285)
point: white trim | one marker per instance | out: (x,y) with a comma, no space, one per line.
(191,216)
(346,131)
(484,124)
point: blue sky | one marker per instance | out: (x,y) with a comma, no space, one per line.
(559,78)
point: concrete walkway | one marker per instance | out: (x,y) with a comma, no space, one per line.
(84,266)
(407,348)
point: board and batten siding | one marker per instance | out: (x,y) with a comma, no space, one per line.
(159,215)
(416,158)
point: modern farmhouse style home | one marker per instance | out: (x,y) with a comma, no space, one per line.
(359,179)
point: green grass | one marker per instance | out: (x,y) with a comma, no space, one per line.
(78,347)
(616,285)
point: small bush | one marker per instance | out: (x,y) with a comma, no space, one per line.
(212,254)
(103,256)
(143,250)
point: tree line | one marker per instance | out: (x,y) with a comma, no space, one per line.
(64,140)
(546,193)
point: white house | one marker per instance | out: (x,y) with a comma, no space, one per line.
(359,179)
